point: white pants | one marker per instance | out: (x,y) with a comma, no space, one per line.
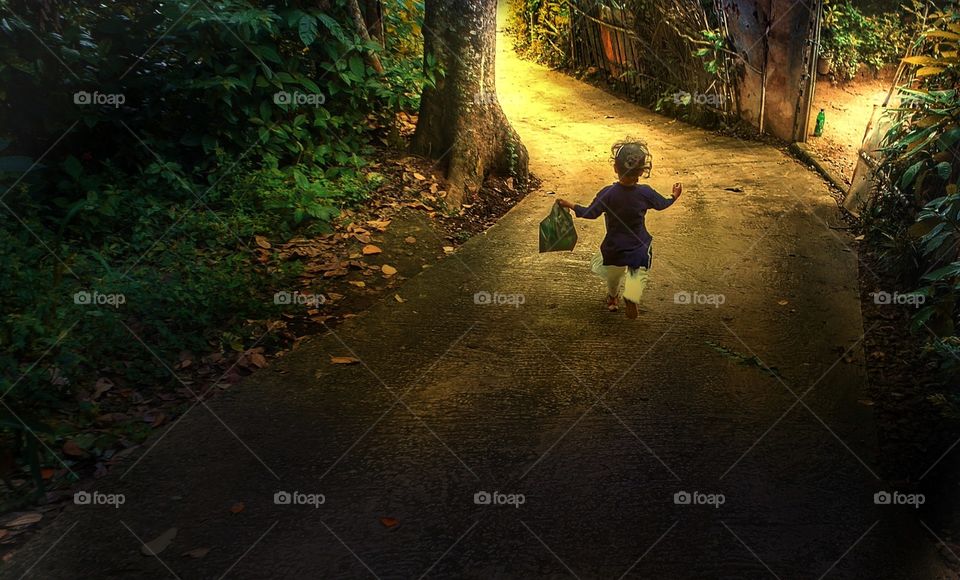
(621,281)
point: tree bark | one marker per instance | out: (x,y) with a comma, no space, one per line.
(361,25)
(461,124)
(373,15)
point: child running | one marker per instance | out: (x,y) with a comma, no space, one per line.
(625,254)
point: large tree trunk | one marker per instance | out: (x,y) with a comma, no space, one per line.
(461,123)
(373,15)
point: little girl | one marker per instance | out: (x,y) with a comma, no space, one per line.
(626,249)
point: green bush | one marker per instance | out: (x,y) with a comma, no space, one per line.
(915,214)
(143,146)
(849,38)
(541,30)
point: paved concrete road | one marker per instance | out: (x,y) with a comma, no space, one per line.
(596,420)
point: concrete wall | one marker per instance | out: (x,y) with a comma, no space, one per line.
(789,22)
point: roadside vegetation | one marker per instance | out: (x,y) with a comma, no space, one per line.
(149,154)
(913,219)
(851,40)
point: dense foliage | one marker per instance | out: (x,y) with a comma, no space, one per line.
(670,54)
(914,217)
(541,30)
(144,146)
(850,38)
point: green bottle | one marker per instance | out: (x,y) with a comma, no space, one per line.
(821,121)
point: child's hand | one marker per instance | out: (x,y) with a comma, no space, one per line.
(677,190)
(564,203)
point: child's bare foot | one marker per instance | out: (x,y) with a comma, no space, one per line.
(632,311)
(613,303)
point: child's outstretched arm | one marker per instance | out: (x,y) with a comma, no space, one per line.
(592,212)
(661,203)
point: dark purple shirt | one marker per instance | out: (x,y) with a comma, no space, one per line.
(627,242)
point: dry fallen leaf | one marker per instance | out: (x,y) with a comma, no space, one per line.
(379,225)
(419,176)
(398,298)
(358,283)
(103,385)
(262,242)
(390,522)
(448,249)
(159,544)
(410,240)
(197,552)
(783,302)
(158,419)
(71,448)
(388,270)
(17,519)
(370,250)
(258,360)
(344,360)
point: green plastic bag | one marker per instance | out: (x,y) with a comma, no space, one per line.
(557,233)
